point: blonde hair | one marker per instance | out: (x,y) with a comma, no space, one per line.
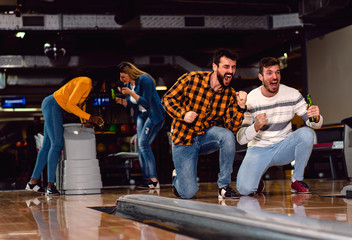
(132,71)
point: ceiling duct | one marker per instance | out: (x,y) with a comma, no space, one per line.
(240,22)
(33,21)
(314,9)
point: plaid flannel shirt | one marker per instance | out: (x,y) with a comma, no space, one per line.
(192,92)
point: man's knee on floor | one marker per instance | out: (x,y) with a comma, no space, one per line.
(244,189)
(188,192)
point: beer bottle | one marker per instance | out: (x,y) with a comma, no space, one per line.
(101,115)
(113,95)
(310,103)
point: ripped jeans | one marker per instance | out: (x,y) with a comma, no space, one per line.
(146,133)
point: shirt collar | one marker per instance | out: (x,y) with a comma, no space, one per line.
(207,83)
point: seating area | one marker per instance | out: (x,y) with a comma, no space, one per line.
(121,161)
(332,153)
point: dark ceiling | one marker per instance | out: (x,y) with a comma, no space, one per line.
(98,46)
(320,15)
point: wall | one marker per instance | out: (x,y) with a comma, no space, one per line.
(329,62)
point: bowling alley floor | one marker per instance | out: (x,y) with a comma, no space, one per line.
(28,215)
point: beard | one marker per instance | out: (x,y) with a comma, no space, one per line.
(221,79)
(274,89)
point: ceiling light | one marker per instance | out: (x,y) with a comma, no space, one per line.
(20,34)
(20,109)
(161,88)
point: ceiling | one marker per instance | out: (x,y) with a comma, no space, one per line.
(164,37)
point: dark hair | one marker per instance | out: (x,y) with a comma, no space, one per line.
(267,62)
(223,53)
(109,75)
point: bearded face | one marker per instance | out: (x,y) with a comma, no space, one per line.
(225,79)
(225,71)
(271,80)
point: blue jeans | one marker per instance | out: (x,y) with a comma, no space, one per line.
(298,146)
(146,133)
(53,139)
(185,158)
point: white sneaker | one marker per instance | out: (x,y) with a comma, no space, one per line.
(34,188)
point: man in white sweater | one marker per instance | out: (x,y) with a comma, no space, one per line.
(267,130)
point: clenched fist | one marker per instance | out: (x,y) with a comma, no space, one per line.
(190,116)
(260,121)
(241,97)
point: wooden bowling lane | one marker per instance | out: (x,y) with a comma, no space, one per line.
(28,215)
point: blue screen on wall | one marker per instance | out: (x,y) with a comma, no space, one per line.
(13,102)
(101,100)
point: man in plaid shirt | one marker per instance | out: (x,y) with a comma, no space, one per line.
(206,114)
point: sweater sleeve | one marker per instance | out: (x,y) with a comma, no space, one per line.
(247,132)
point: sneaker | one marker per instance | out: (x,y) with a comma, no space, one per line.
(300,187)
(261,186)
(34,187)
(174,191)
(52,190)
(227,192)
(149,184)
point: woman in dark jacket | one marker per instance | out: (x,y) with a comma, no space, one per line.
(148,114)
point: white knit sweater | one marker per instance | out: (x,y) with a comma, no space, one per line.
(279,109)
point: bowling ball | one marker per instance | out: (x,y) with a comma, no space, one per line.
(125,147)
(125,129)
(19,144)
(101,148)
(134,128)
(152,146)
(112,147)
(113,128)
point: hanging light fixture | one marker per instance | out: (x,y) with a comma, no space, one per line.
(54,50)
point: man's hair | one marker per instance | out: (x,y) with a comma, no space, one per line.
(223,53)
(267,62)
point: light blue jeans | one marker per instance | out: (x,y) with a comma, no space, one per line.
(53,139)
(185,158)
(146,133)
(298,146)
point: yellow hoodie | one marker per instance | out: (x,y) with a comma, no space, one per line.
(72,95)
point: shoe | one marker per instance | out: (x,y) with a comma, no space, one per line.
(149,184)
(173,175)
(174,191)
(261,186)
(227,192)
(52,190)
(300,187)
(35,188)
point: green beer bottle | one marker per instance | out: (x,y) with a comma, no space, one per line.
(101,115)
(310,103)
(113,95)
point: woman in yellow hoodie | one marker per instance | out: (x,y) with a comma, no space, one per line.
(71,98)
